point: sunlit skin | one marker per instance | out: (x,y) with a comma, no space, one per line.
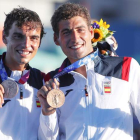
(75,38)
(22,45)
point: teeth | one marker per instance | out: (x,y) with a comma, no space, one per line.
(75,47)
(22,52)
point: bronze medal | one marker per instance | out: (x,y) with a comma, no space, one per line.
(55,98)
(10,88)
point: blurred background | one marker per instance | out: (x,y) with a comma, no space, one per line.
(122,15)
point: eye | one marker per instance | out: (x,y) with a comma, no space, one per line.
(18,36)
(81,30)
(66,32)
(35,38)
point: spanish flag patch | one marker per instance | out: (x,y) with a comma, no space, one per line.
(38,103)
(107,87)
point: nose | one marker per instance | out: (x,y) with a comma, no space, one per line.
(74,36)
(26,43)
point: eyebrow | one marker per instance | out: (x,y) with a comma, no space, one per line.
(67,29)
(81,26)
(16,33)
(37,36)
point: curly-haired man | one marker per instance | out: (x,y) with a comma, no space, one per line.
(19,116)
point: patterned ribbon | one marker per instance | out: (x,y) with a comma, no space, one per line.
(4,75)
(77,64)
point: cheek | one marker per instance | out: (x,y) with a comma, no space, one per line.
(64,49)
(87,36)
(35,50)
(63,43)
(10,46)
(64,40)
(35,45)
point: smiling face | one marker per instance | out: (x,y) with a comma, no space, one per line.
(22,45)
(75,38)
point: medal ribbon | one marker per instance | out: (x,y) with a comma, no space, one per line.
(4,75)
(77,64)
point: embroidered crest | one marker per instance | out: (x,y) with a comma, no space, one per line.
(37,102)
(107,87)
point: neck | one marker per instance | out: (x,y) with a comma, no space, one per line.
(82,70)
(14,66)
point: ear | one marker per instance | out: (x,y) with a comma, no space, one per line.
(91,31)
(4,38)
(55,38)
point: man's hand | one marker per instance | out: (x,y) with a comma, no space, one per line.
(42,94)
(1,95)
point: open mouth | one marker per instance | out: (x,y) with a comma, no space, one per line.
(76,46)
(23,53)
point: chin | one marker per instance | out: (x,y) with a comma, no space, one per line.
(23,62)
(81,56)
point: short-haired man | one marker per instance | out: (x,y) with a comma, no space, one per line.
(99,95)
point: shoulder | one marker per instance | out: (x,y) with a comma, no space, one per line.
(117,67)
(35,78)
(49,75)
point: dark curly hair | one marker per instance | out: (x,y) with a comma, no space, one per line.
(22,16)
(67,11)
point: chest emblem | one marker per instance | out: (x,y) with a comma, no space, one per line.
(38,104)
(107,87)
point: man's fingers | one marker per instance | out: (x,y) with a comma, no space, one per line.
(56,83)
(1,101)
(43,91)
(1,88)
(52,84)
(48,85)
(1,95)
